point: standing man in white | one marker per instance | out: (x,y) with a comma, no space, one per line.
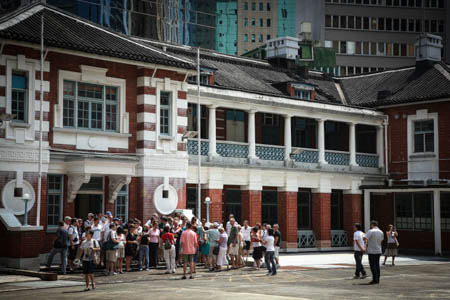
(374,237)
(359,249)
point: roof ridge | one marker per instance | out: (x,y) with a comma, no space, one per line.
(20,14)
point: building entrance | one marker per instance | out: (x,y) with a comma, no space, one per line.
(86,203)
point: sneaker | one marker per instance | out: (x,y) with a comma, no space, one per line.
(114,273)
(363,276)
(173,271)
(268,273)
(140,269)
(167,272)
(273,274)
(184,277)
(356,277)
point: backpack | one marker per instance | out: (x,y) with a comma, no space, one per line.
(167,244)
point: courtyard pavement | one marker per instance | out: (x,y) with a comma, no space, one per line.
(302,276)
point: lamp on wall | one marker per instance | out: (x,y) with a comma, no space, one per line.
(207,202)
(26,197)
(189,135)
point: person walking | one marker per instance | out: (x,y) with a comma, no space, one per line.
(223,246)
(189,245)
(269,243)
(144,240)
(154,234)
(60,245)
(374,237)
(246,231)
(392,244)
(168,241)
(277,237)
(359,249)
(88,250)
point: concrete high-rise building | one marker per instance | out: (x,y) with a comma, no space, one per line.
(371,35)
(259,21)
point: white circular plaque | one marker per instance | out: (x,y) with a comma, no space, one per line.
(165,206)
(15,204)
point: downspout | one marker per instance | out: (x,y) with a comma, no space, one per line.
(386,145)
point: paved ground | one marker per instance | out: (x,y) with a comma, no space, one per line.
(412,278)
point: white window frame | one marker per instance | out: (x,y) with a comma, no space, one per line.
(422,115)
(26,102)
(95,76)
(169,113)
(61,201)
(127,201)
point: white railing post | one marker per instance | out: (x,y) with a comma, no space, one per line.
(380,146)
(287,138)
(251,135)
(321,141)
(352,144)
(212,131)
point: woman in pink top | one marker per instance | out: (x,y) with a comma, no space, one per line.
(154,245)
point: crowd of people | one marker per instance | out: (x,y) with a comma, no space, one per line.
(106,242)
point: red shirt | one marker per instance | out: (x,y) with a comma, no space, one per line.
(166,236)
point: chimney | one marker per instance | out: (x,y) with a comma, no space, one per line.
(428,49)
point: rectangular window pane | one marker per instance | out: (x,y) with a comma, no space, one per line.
(164,117)
(335,21)
(83,114)
(343,21)
(366,23)
(351,22)
(69,113)
(90,90)
(54,200)
(304,210)
(96,115)
(404,211)
(445,211)
(380,23)
(388,24)
(122,203)
(422,211)
(111,117)
(18,104)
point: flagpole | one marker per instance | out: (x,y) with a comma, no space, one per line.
(199,148)
(41,100)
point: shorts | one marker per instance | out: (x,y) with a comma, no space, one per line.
(211,249)
(234,250)
(73,252)
(188,258)
(247,245)
(277,252)
(88,267)
(121,253)
(111,255)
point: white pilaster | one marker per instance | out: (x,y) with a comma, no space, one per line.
(380,148)
(366,210)
(251,135)
(352,144)
(212,131)
(287,137)
(321,141)
(437,222)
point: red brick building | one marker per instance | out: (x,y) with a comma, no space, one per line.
(278,145)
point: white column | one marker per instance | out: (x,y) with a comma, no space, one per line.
(380,147)
(352,144)
(437,222)
(366,210)
(287,137)
(321,141)
(251,135)
(212,131)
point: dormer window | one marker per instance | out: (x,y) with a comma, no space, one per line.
(206,77)
(302,94)
(302,91)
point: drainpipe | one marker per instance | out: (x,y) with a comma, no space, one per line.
(386,145)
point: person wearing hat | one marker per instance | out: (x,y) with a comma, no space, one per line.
(67,222)
(90,220)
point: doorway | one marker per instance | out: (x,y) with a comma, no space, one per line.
(233,205)
(88,203)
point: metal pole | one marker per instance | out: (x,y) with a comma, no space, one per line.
(199,148)
(41,100)
(207,212)
(25,215)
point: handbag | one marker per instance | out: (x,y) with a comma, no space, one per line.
(216,250)
(110,245)
(96,254)
(397,243)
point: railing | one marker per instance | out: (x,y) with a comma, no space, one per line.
(306,239)
(266,152)
(337,158)
(339,238)
(193,148)
(232,149)
(306,156)
(367,160)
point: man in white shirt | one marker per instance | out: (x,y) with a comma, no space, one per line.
(359,248)
(374,237)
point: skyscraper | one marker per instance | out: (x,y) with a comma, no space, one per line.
(226,26)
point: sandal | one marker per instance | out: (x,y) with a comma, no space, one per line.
(87,289)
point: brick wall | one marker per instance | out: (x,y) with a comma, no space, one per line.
(251,206)
(287,218)
(397,138)
(352,210)
(215,208)
(321,218)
